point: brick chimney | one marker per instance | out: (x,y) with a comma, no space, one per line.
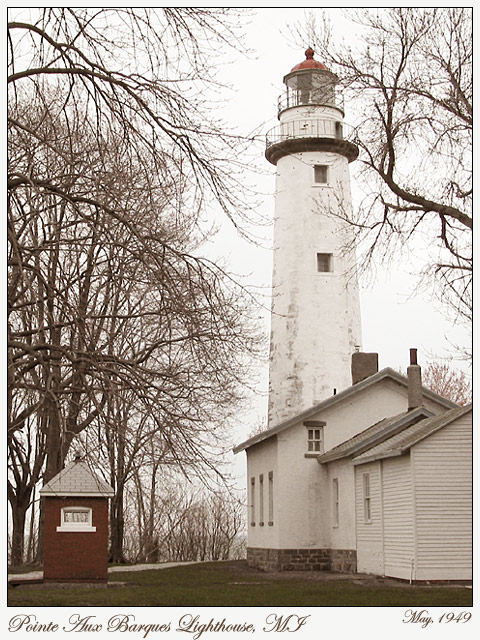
(364,365)
(414,377)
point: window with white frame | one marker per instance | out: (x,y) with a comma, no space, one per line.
(76,519)
(320,174)
(261,523)
(270,498)
(252,502)
(335,502)
(315,439)
(367,507)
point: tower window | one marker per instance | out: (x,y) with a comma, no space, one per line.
(320,173)
(324,262)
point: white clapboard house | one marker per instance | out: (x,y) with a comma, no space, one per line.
(374,479)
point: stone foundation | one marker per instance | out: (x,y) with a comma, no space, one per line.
(340,560)
(343,560)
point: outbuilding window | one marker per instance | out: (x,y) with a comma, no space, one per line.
(76,519)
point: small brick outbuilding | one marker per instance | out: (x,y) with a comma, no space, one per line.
(76,525)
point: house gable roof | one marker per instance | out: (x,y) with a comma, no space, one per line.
(401,442)
(340,397)
(77,480)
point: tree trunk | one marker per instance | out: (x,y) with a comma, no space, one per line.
(117,524)
(31,549)
(19,505)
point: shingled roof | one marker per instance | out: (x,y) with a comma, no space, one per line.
(77,479)
(375,434)
(404,440)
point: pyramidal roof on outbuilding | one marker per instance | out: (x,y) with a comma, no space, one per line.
(77,479)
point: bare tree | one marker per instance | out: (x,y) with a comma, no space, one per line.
(188,523)
(26,450)
(408,81)
(112,313)
(116,324)
(450,383)
(138,74)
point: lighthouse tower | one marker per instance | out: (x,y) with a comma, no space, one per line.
(315,308)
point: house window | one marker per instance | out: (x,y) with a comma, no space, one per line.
(324,262)
(270,498)
(76,519)
(261,499)
(367,512)
(320,174)
(335,502)
(252,502)
(315,440)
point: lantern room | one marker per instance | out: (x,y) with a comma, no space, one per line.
(310,111)
(309,83)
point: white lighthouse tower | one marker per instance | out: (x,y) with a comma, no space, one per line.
(315,310)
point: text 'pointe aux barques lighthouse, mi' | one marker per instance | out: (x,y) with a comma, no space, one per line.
(315,318)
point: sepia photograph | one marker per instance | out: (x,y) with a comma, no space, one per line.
(239,321)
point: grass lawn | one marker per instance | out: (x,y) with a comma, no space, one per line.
(233,584)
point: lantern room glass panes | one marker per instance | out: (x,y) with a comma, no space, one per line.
(310,87)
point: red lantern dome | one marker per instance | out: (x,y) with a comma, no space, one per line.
(309,63)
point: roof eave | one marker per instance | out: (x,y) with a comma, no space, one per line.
(339,397)
(77,494)
(380,456)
